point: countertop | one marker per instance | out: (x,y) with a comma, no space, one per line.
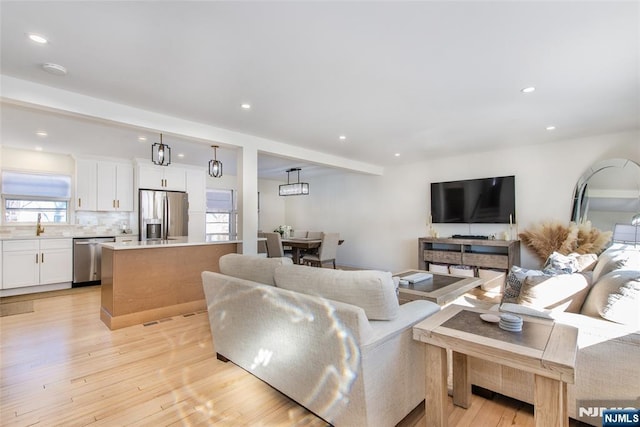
(70,236)
(173,242)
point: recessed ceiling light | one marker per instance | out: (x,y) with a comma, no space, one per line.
(41,133)
(38,148)
(38,38)
(342,137)
(397,154)
(528,89)
(180,155)
(245,106)
(551,128)
(56,69)
(142,138)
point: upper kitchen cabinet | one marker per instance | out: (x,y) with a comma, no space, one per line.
(114,186)
(161,177)
(86,182)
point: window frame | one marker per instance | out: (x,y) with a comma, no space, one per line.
(233,217)
(31,198)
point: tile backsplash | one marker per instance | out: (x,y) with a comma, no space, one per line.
(86,224)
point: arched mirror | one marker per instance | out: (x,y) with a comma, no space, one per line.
(608,193)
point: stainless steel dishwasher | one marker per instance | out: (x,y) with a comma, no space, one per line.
(87,258)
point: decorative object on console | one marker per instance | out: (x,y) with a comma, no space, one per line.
(294,188)
(430,230)
(553,236)
(215,165)
(161,153)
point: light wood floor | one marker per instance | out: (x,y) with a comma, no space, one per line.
(61,366)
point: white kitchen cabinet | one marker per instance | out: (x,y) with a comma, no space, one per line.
(56,261)
(153,177)
(114,186)
(36,262)
(197,190)
(86,180)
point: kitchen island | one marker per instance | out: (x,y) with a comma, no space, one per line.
(153,280)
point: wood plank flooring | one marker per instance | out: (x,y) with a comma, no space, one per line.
(60,365)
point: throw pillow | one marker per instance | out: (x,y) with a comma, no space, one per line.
(615,297)
(373,291)
(614,258)
(557,263)
(251,267)
(586,262)
(514,282)
(563,292)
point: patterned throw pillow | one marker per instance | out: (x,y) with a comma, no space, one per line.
(560,264)
(515,278)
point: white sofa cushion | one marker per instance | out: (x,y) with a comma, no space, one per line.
(563,292)
(616,297)
(616,258)
(373,291)
(251,267)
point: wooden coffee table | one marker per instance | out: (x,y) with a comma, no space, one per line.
(441,289)
(544,348)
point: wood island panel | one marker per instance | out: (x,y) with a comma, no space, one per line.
(141,285)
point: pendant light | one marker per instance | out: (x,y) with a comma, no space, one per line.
(296,188)
(161,153)
(215,165)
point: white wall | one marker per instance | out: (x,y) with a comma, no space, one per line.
(381,217)
(35,161)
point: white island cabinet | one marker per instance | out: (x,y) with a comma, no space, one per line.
(36,262)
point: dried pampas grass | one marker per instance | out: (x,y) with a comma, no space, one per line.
(553,236)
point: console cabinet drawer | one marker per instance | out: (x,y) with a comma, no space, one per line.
(442,256)
(484,260)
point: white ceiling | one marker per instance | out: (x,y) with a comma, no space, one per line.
(422,79)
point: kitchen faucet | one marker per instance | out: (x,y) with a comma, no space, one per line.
(39,227)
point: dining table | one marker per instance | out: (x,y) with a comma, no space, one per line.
(298,244)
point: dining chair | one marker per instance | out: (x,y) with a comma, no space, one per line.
(314,234)
(298,233)
(274,245)
(262,244)
(326,253)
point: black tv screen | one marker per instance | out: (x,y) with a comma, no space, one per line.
(474,201)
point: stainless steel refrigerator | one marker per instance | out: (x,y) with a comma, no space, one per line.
(162,214)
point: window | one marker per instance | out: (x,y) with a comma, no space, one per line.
(221,215)
(25,195)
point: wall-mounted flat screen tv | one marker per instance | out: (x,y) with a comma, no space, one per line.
(474,201)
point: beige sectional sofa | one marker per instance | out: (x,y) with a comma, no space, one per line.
(337,342)
(608,320)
